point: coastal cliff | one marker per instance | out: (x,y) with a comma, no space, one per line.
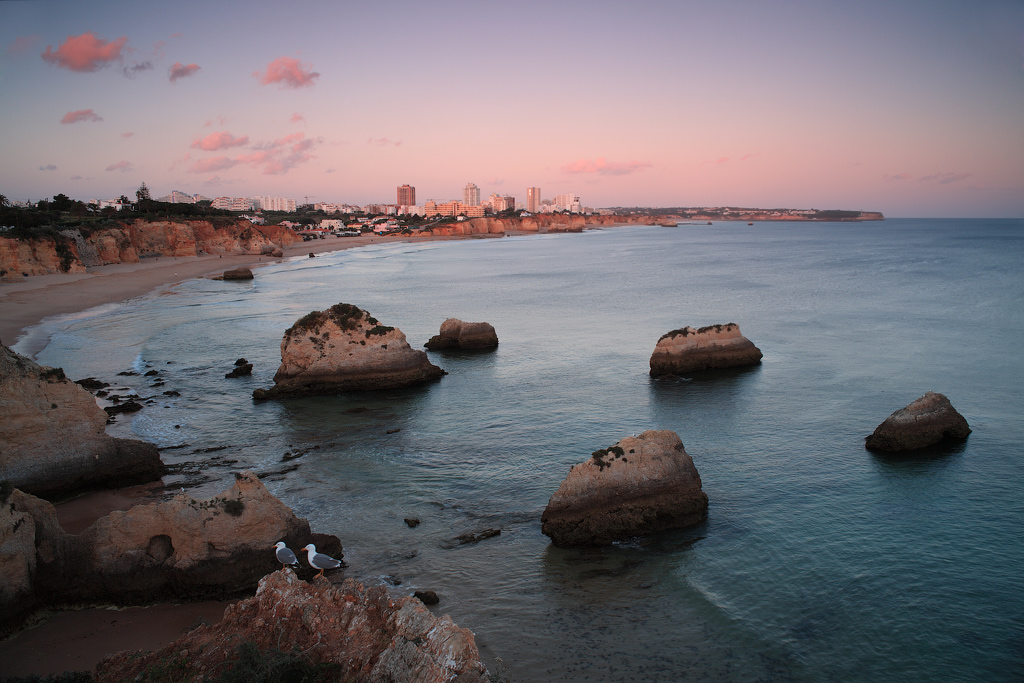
(131,241)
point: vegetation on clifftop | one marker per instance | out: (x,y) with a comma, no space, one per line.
(345,316)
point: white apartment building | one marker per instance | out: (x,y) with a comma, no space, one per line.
(277,204)
(568,202)
(234,203)
(533,199)
(471,195)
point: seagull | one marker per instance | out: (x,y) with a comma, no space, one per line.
(285,556)
(319,560)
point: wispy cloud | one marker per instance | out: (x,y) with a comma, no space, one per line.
(896,176)
(383,142)
(716,162)
(127,134)
(123,166)
(944,178)
(275,158)
(179,70)
(48,167)
(81,115)
(220,122)
(297,118)
(23,45)
(601,166)
(220,163)
(748,156)
(220,140)
(85,52)
(132,70)
(76,177)
(289,73)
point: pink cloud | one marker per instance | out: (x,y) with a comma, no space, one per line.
(220,163)
(745,157)
(76,177)
(384,142)
(123,166)
(80,115)
(179,70)
(221,140)
(85,52)
(23,45)
(289,72)
(127,135)
(298,118)
(604,167)
(48,167)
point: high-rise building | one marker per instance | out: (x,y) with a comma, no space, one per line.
(533,199)
(568,202)
(406,195)
(471,195)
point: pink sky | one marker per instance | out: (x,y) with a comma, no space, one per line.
(910,108)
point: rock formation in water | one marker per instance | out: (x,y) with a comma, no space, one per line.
(713,347)
(456,334)
(925,422)
(347,632)
(237,274)
(642,484)
(52,435)
(181,549)
(345,349)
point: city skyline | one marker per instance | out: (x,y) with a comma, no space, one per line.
(907,108)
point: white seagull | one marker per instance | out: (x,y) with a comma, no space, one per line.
(319,560)
(285,556)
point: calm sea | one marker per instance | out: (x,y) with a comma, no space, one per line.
(819,561)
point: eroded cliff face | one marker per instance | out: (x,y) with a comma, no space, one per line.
(132,240)
(52,435)
(355,633)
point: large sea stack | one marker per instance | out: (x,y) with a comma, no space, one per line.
(346,349)
(52,435)
(709,348)
(455,334)
(925,422)
(642,484)
(338,633)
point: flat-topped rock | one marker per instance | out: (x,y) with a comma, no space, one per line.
(708,348)
(344,348)
(640,485)
(925,422)
(237,274)
(456,334)
(53,439)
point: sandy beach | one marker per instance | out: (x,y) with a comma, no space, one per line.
(29,302)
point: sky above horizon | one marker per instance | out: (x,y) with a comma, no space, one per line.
(912,108)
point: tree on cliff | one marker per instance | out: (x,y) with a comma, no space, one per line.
(142,194)
(4,201)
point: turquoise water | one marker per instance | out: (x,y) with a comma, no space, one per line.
(819,561)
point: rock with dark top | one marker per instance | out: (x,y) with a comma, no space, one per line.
(126,407)
(91,384)
(640,485)
(927,421)
(241,361)
(688,350)
(345,349)
(238,274)
(427,597)
(347,632)
(240,371)
(53,439)
(455,334)
(412,522)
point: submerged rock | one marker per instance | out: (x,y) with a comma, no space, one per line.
(713,347)
(642,484)
(925,422)
(243,370)
(455,334)
(346,349)
(348,632)
(237,274)
(52,435)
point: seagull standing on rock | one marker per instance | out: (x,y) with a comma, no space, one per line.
(285,556)
(319,560)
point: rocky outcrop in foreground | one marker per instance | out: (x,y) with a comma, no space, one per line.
(52,435)
(642,484)
(345,349)
(347,632)
(181,549)
(713,347)
(925,422)
(456,334)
